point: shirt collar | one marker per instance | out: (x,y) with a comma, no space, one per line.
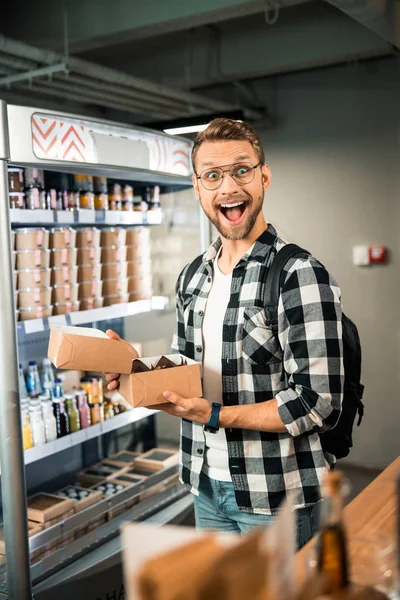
(258,252)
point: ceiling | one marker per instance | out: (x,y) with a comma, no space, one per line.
(154,61)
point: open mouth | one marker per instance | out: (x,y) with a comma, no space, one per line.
(233,211)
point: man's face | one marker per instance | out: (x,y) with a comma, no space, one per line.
(232,208)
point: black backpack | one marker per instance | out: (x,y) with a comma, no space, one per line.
(338,440)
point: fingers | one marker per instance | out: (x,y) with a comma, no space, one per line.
(113,336)
(113,385)
(111,376)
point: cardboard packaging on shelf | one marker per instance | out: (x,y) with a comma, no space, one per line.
(91,288)
(89,349)
(34,295)
(87,236)
(157,459)
(110,254)
(88,255)
(32,239)
(28,278)
(63,257)
(65,308)
(88,272)
(115,286)
(65,292)
(46,507)
(35,312)
(62,237)
(113,270)
(90,303)
(123,458)
(96,473)
(62,275)
(31,259)
(113,236)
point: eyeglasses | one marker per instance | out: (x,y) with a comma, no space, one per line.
(242,173)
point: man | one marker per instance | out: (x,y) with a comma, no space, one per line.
(274,396)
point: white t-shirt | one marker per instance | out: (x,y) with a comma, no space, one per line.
(216,463)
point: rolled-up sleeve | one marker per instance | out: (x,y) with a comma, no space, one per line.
(310,332)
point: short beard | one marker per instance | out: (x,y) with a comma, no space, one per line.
(229,234)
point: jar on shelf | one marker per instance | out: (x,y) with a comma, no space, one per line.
(72,412)
(114,196)
(15,179)
(16,199)
(35,194)
(108,410)
(154,203)
(127,198)
(100,193)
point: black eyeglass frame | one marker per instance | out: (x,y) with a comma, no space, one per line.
(254,167)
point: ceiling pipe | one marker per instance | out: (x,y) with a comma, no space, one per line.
(88,69)
(380,16)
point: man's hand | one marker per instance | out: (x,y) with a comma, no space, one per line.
(192,409)
(113,378)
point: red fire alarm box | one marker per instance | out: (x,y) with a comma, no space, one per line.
(377,254)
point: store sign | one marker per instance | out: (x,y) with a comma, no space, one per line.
(76,140)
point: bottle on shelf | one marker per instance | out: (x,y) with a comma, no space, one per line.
(127,203)
(26,429)
(48,378)
(83,408)
(72,412)
(86,385)
(61,417)
(58,390)
(22,385)
(100,193)
(37,424)
(332,555)
(50,423)
(98,398)
(114,196)
(108,410)
(33,385)
(35,195)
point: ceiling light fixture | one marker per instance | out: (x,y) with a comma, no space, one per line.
(187,129)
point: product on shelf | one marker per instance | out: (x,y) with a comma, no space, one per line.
(15,179)
(33,384)
(65,308)
(151,196)
(90,289)
(31,239)
(36,295)
(72,412)
(45,508)
(65,292)
(88,255)
(114,196)
(127,203)
(139,288)
(157,459)
(111,254)
(62,237)
(90,303)
(123,458)
(138,236)
(31,259)
(87,236)
(37,424)
(21,380)
(137,471)
(35,195)
(89,272)
(61,416)
(113,236)
(83,408)
(27,278)
(84,187)
(121,298)
(35,312)
(114,270)
(115,286)
(100,193)
(26,429)
(50,422)
(63,257)
(64,274)
(92,475)
(138,267)
(47,378)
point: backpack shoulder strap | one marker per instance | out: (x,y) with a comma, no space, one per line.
(190,271)
(273,281)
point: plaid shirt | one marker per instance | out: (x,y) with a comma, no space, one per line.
(265,466)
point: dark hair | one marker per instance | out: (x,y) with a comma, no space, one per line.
(227,129)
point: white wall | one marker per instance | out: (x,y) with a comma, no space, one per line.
(335,161)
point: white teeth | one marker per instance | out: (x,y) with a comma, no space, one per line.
(231,205)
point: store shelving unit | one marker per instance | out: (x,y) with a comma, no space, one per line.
(69,143)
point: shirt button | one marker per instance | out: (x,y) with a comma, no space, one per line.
(227,360)
(199,451)
(201,313)
(209,279)
(199,349)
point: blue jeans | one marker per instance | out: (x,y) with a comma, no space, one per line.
(216,509)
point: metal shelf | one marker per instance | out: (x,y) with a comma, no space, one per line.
(115,311)
(74,439)
(84,216)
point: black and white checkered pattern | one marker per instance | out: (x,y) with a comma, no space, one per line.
(304,372)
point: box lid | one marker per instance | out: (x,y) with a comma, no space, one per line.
(87,349)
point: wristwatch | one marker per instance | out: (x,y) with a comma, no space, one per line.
(212,425)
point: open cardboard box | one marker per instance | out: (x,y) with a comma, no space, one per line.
(88,349)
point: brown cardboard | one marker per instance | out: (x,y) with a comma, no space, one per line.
(86,349)
(171,457)
(89,349)
(97,473)
(124,458)
(46,507)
